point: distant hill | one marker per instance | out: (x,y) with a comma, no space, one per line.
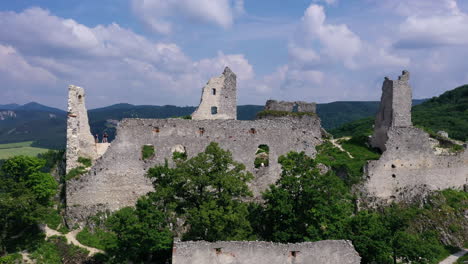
(448,112)
(46,126)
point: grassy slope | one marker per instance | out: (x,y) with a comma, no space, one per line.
(20,148)
(448,112)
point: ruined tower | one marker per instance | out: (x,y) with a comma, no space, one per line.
(394,110)
(219,98)
(80,142)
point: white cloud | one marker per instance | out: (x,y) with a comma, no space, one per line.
(159,15)
(107,60)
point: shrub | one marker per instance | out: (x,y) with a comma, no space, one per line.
(179,155)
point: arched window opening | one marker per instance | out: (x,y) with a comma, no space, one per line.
(214,110)
(262,156)
(179,152)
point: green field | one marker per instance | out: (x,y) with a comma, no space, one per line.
(20,148)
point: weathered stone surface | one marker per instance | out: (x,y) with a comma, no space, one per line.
(118,177)
(237,252)
(220,93)
(394,110)
(80,142)
(298,106)
(409,168)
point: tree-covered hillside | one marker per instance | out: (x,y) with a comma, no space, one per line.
(447,112)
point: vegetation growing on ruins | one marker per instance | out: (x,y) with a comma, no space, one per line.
(147,151)
(80,170)
(275,113)
(262,156)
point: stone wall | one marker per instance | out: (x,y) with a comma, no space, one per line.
(219,98)
(394,110)
(409,167)
(118,177)
(80,142)
(298,106)
(321,252)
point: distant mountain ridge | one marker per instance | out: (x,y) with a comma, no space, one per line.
(46,126)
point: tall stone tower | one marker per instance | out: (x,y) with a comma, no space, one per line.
(394,110)
(80,142)
(219,98)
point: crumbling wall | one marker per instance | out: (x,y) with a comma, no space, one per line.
(219,98)
(118,178)
(244,252)
(394,110)
(409,168)
(80,142)
(298,106)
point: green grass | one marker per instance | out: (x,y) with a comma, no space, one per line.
(341,163)
(99,239)
(11,259)
(20,148)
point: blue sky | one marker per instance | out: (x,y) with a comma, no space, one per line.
(163,51)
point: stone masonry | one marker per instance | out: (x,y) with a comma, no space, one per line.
(256,252)
(117,179)
(394,110)
(409,168)
(298,106)
(219,98)
(80,142)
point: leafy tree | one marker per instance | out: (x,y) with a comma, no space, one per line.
(305,205)
(142,233)
(206,192)
(25,195)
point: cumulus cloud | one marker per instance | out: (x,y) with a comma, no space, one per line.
(108,60)
(160,15)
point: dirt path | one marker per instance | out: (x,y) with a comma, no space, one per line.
(26,258)
(453,258)
(335,143)
(71,239)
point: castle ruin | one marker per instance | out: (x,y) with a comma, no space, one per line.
(80,142)
(219,98)
(117,179)
(409,167)
(257,252)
